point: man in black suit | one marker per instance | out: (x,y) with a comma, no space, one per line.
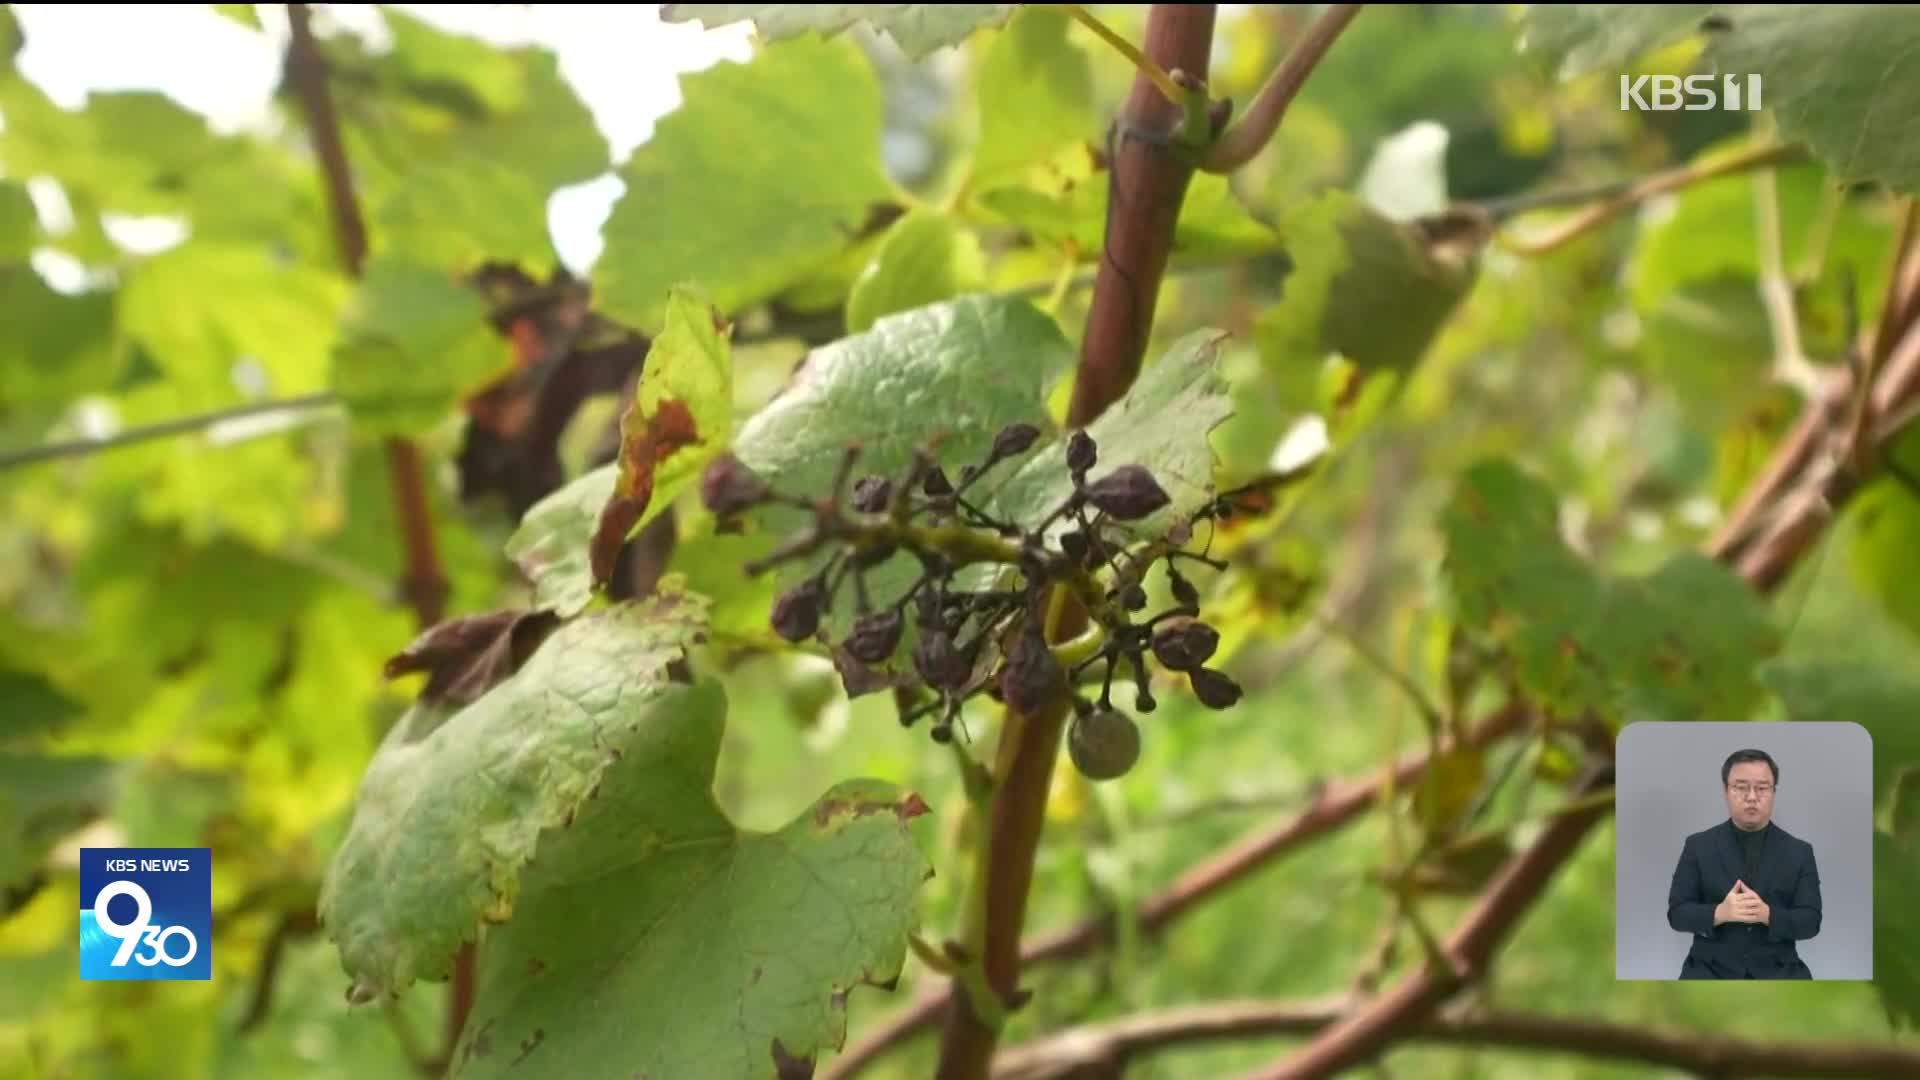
(1746,889)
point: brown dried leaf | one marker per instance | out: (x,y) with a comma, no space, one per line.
(467,656)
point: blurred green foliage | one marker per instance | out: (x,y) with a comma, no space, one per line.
(193,629)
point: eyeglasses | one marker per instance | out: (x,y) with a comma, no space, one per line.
(1762,790)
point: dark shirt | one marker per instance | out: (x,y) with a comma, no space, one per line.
(1750,846)
(1750,843)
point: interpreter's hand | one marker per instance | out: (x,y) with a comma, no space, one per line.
(1747,905)
(1741,905)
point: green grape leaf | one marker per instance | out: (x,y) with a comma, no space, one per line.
(56,346)
(729,951)
(1712,232)
(918,29)
(925,258)
(459,215)
(552,138)
(436,63)
(1682,643)
(131,151)
(710,562)
(1213,220)
(43,798)
(30,705)
(1886,535)
(11,39)
(454,804)
(404,113)
(1841,78)
(1583,38)
(945,377)
(680,417)
(414,342)
(1708,343)
(244,14)
(1350,265)
(1162,422)
(18,222)
(200,309)
(1896,938)
(1883,700)
(741,219)
(552,545)
(1035,95)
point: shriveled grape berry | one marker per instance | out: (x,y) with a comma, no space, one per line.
(796,612)
(871,494)
(1182,644)
(1128,493)
(1214,689)
(874,636)
(939,662)
(1075,545)
(728,486)
(1031,673)
(1081,452)
(1103,744)
(936,484)
(1133,598)
(1014,439)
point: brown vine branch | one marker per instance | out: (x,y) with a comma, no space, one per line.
(1600,213)
(1241,142)
(1106,1049)
(1338,804)
(1821,464)
(1359,1036)
(1147,186)
(1896,317)
(425,583)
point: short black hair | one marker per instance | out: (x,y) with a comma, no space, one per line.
(1739,756)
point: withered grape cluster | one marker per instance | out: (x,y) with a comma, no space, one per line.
(991,639)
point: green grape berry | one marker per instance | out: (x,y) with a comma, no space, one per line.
(1104,744)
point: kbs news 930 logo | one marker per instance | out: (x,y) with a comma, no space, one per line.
(146,913)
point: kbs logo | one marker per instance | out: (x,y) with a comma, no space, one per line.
(1668,93)
(146,913)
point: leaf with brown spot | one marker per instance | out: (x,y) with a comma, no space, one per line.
(646,441)
(529,1044)
(680,417)
(788,1067)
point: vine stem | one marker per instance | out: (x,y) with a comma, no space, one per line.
(1105,1049)
(1755,157)
(425,583)
(1337,804)
(1241,142)
(1148,185)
